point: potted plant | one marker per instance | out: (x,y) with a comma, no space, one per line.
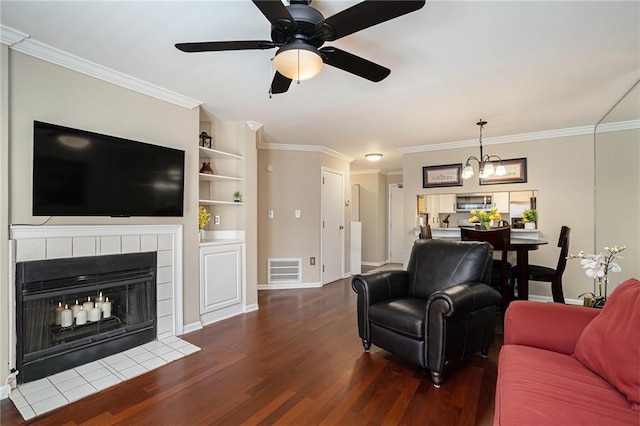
(598,266)
(237,196)
(484,218)
(530,217)
(203,218)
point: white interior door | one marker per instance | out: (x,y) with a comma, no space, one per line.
(396,211)
(332,199)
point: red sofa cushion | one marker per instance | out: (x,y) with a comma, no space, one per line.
(541,387)
(610,345)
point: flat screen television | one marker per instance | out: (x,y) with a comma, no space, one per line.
(81,173)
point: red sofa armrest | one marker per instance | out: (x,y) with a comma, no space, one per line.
(551,326)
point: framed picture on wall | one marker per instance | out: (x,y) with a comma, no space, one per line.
(516,173)
(440,176)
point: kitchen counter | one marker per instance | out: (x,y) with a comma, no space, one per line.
(455,232)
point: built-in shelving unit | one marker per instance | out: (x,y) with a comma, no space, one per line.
(222,249)
(209,177)
(219,203)
(208,195)
(214,153)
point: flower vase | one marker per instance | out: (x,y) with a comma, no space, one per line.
(201,233)
(486,225)
(529,225)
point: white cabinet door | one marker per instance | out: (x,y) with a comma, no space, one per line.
(447,203)
(221,269)
(433,208)
(501,201)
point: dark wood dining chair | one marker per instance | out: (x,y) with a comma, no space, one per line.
(499,238)
(550,275)
(425,233)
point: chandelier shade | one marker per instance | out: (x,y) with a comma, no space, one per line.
(488,165)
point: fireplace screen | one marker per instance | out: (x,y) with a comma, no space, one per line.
(73,311)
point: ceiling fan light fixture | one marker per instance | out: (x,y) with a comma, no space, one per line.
(373,157)
(298,61)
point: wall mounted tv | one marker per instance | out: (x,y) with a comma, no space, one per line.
(80,173)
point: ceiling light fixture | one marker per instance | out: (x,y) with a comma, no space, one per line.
(373,157)
(486,166)
(298,61)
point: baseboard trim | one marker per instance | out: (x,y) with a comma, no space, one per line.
(251,308)
(222,314)
(288,286)
(194,326)
(376,264)
(549,299)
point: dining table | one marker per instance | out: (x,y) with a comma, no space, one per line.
(522,247)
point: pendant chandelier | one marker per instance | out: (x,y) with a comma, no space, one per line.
(488,165)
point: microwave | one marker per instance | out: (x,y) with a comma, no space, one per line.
(468,202)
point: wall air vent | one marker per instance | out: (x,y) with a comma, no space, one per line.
(284,270)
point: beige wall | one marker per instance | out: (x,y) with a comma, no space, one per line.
(618,199)
(294,184)
(560,169)
(373,215)
(43,91)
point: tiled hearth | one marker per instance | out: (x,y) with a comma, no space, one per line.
(38,397)
(30,243)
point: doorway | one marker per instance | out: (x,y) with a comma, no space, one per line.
(396,212)
(332,226)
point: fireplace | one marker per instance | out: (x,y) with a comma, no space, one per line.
(72,311)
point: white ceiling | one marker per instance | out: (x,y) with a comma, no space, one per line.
(522,66)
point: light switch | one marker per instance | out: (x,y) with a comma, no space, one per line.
(296,214)
(270,213)
(216,220)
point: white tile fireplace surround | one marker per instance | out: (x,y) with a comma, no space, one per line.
(30,243)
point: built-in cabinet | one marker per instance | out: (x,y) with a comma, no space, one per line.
(221,256)
(221,280)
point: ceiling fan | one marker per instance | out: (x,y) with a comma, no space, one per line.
(299,31)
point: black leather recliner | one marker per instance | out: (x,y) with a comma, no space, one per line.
(436,313)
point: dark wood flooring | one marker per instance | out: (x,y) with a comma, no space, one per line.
(297,360)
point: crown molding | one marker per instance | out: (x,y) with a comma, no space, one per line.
(306,148)
(368,172)
(9,36)
(47,53)
(395,173)
(254,125)
(618,126)
(523,137)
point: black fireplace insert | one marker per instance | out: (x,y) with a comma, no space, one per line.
(73,311)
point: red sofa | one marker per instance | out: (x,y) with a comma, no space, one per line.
(569,365)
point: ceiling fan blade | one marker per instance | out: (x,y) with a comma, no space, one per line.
(215,46)
(354,64)
(364,15)
(276,12)
(280,84)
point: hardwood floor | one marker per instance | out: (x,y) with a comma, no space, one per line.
(298,360)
